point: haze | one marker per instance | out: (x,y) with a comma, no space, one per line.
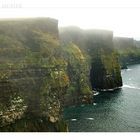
(120,16)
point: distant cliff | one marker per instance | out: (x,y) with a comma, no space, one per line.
(128,49)
(97,46)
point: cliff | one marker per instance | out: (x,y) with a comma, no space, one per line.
(137,43)
(97,45)
(40,74)
(79,90)
(129,52)
(33,77)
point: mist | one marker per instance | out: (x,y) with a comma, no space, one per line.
(119,16)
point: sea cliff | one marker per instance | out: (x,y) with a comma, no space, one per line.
(98,47)
(43,70)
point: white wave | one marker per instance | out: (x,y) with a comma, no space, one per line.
(90,118)
(128,69)
(94,103)
(73,119)
(111,89)
(129,86)
(96,93)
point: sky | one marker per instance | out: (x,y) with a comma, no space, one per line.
(120,16)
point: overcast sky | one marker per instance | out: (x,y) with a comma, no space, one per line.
(121,16)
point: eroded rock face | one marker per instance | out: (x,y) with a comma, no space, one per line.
(33,76)
(79,90)
(97,45)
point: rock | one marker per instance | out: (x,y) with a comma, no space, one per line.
(53,119)
(98,47)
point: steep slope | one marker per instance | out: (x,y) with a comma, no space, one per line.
(97,45)
(33,76)
(79,90)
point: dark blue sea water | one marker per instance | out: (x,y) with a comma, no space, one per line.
(117,111)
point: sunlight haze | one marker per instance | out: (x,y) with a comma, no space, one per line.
(120,16)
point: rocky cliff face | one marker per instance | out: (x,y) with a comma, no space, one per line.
(104,68)
(128,49)
(39,75)
(79,90)
(33,76)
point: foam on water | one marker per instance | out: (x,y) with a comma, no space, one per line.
(94,103)
(129,86)
(96,93)
(128,69)
(73,119)
(90,118)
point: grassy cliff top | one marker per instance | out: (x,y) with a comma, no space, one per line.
(28,19)
(22,25)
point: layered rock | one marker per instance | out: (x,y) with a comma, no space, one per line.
(79,90)
(102,59)
(33,76)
